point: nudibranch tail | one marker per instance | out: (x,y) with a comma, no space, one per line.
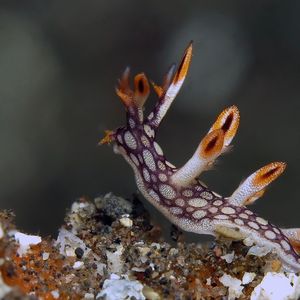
(254,186)
(178,193)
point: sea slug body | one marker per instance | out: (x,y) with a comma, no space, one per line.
(177,192)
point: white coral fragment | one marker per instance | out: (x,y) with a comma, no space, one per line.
(277,286)
(55,294)
(228,257)
(114,260)
(126,222)
(248,277)
(45,255)
(78,265)
(234,286)
(25,241)
(116,288)
(259,250)
(68,242)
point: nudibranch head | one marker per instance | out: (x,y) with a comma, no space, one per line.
(177,192)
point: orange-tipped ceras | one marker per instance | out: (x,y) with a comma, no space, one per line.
(177,192)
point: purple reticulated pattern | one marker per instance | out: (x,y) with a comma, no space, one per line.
(195,202)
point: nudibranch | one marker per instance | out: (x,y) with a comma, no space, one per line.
(177,192)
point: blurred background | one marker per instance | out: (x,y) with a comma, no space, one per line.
(59,63)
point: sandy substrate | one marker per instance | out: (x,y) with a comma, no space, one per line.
(109,249)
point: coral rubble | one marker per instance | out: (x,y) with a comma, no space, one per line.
(109,249)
